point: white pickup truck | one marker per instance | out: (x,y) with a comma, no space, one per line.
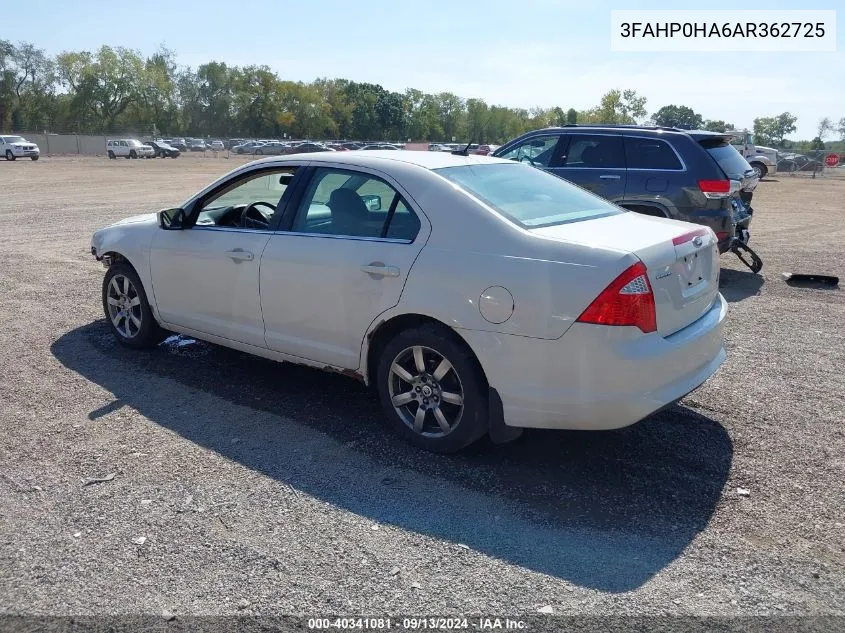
(128,148)
(764,160)
(13,147)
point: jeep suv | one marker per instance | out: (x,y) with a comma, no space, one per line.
(689,175)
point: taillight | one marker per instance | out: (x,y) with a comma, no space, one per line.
(715,189)
(722,235)
(628,300)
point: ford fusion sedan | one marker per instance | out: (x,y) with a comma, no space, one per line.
(12,147)
(475,295)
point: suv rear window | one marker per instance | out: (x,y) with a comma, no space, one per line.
(529,197)
(650,153)
(729,159)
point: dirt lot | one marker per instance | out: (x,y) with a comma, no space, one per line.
(244,486)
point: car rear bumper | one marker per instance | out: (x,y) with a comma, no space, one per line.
(597,377)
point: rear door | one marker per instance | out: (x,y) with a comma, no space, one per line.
(652,163)
(595,162)
(341,259)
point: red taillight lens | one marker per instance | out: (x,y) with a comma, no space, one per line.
(715,188)
(722,235)
(628,300)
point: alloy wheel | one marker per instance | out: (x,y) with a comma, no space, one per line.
(124,306)
(426,391)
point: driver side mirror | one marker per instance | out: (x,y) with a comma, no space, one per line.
(172,219)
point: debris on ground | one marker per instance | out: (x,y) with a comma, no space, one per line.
(98,480)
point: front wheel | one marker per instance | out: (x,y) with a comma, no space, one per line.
(132,154)
(760,170)
(127,309)
(34,157)
(432,389)
(9,155)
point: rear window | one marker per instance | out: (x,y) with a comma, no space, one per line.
(527,196)
(730,160)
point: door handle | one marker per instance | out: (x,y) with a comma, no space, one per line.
(610,177)
(380,270)
(240,255)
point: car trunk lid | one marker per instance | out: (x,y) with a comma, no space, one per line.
(681,260)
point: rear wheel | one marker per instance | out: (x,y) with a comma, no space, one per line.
(9,155)
(432,389)
(127,309)
(111,155)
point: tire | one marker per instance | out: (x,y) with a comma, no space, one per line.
(9,155)
(140,332)
(760,169)
(260,152)
(111,155)
(133,154)
(34,157)
(466,422)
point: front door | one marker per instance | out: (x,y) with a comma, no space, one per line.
(343,261)
(205,278)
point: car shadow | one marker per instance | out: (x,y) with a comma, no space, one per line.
(604,510)
(736,285)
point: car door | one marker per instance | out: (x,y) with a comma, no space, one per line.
(595,162)
(205,278)
(341,259)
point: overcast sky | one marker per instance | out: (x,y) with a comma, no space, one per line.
(524,54)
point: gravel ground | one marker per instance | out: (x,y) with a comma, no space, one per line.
(244,486)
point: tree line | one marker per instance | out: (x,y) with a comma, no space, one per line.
(117,89)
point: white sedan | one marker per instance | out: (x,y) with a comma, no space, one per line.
(474,294)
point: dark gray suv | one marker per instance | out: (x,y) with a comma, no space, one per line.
(689,175)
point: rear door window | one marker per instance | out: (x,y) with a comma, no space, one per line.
(595,151)
(650,153)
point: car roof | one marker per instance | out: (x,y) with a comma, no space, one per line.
(382,158)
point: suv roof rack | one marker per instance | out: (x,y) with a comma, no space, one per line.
(619,125)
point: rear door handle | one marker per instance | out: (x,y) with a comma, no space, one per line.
(380,270)
(610,177)
(240,255)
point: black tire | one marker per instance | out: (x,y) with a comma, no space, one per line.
(111,155)
(133,154)
(760,168)
(466,373)
(150,333)
(127,157)
(9,155)
(34,157)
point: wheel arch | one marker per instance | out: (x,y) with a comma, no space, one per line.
(646,208)
(384,329)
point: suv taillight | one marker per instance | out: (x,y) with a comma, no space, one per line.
(715,189)
(628,300)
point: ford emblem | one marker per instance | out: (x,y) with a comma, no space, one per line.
(697,241)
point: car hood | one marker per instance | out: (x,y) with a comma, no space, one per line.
(24,144)
(146,218)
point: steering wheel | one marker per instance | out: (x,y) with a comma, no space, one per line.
(526,157)
(254,218)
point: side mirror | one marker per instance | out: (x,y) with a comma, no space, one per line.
(172,219)
(372,201)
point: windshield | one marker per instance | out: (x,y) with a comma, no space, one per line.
(527,196)
(730,160)
(15,139)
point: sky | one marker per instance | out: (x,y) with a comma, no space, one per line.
(522,54)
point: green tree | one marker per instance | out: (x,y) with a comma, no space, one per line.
(678,116)
(717,125)
(825,128)
(617,107)
(773,130)
(572,116)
